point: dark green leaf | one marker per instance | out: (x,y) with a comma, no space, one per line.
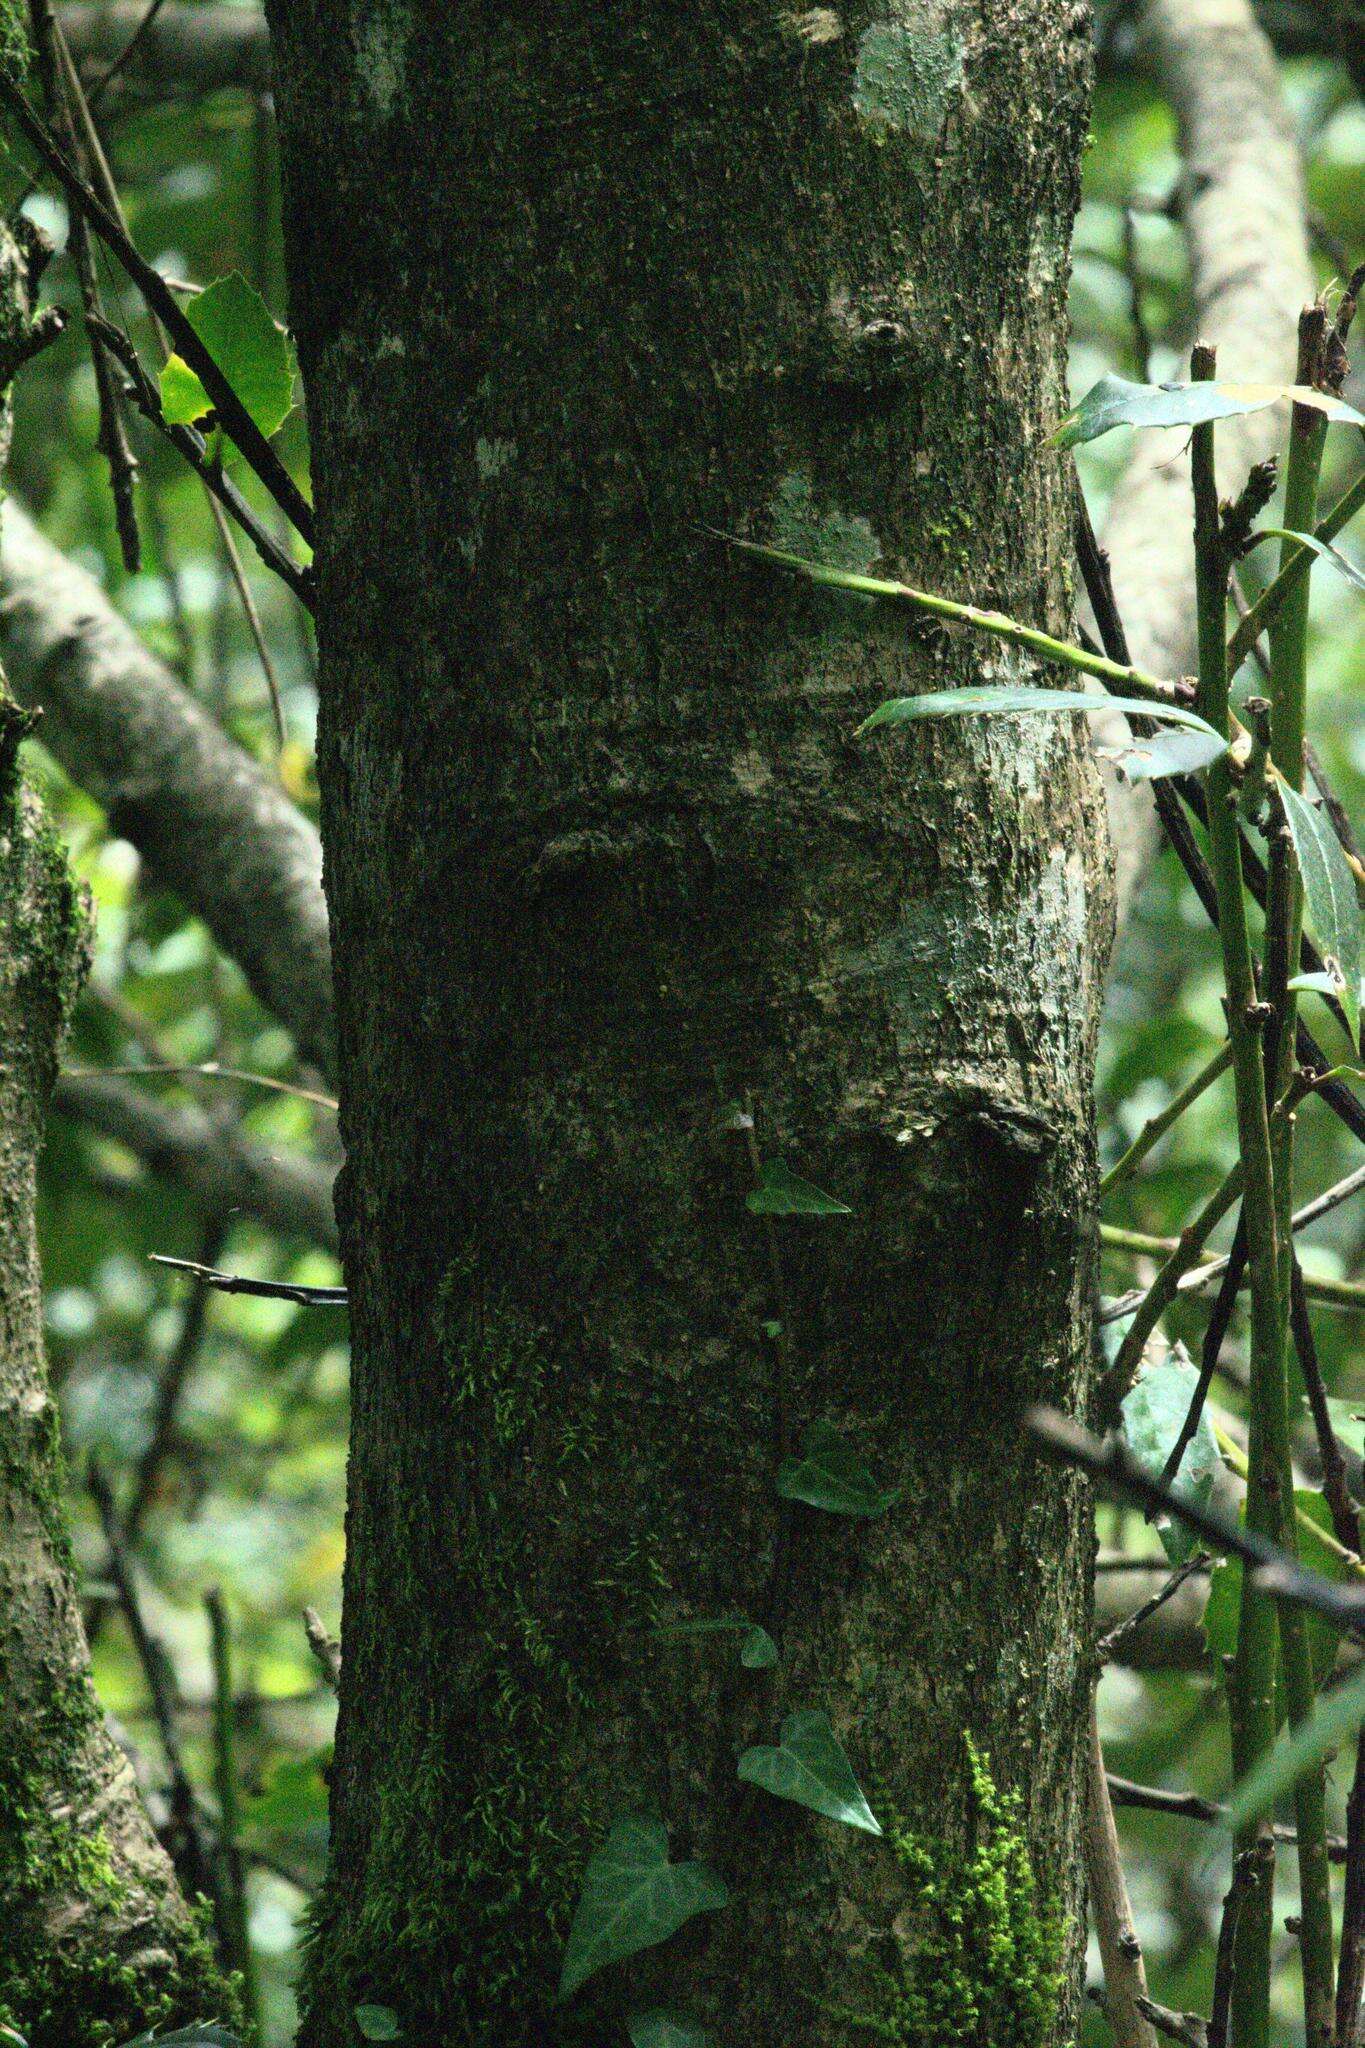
(234,324)
(1006,700)
(1153,1415)
(377,2022)
(809,1767)
(829,1474)
(1330,894)
(1341,563)
(634,1898)
(780,1192)
(1162,753)
(1336,1718)
(1116,402)
(9,2039)
(667,2030)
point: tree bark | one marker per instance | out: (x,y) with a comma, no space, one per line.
(96,1943)
(603,857)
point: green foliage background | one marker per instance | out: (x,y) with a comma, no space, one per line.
(251,1496)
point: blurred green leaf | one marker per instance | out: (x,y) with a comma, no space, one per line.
(377,2022)
(1154,1413)
(1336,1718)
(666,2030)
(234,324)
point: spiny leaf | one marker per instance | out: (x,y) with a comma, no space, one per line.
(234,324)
(1341,563)
(207,2034)
(1162,753)
(1153,1415)
(377,2022)
(829,1474)
(780,1192)
(1330,892)
(1117,402)
(809,1767)
(665,2029)
(634,1898)
(1014,700)
(1335,1719)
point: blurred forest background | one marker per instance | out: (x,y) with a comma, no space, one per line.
(220,1422)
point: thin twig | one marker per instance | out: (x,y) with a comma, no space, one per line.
(1273,1570)
(1108,1645)
(1193,1806)
(325,1648)
(1125,1979)
(233,416)
(266,1290)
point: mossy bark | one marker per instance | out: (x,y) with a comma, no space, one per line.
(96,1943)
(572,285)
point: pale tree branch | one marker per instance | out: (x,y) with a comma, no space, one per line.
(220,1166)
(211,825)
(1244,212)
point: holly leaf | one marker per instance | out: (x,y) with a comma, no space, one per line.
(1153,1415)
(1330,896)
(666,2029)
(234,324)
(634,1898)
(1014,700)
(1148,758)
(809,1767)
(1117,402)
(829,1474)
(780,1192)
(1343,565)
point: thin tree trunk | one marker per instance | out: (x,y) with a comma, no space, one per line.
(572,285)
(96,1943)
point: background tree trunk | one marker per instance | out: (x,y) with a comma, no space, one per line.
(571,285)
(96,1943)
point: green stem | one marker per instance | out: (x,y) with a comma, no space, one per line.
(1157,1126)
(1295,563)
(1284,930)
(1253,1675)
(1348,1294)
(1136,682)
(233,1877)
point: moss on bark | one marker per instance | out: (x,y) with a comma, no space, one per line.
(570,286)
(97,1943)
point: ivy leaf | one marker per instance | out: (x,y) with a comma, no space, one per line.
(829,1474)
(1330,892)
(234,324)
(757,1650)
(809,1767)
(1335,1719)
(665,2029)
(1013,700)
(780,1192)
(1153,1415)
(634,1898)
(1162,753)
(1343,565)
(377,2022)
(1118,402)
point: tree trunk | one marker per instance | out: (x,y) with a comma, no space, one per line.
(96,1943)
(573,285)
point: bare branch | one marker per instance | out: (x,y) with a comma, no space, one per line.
(210,824)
